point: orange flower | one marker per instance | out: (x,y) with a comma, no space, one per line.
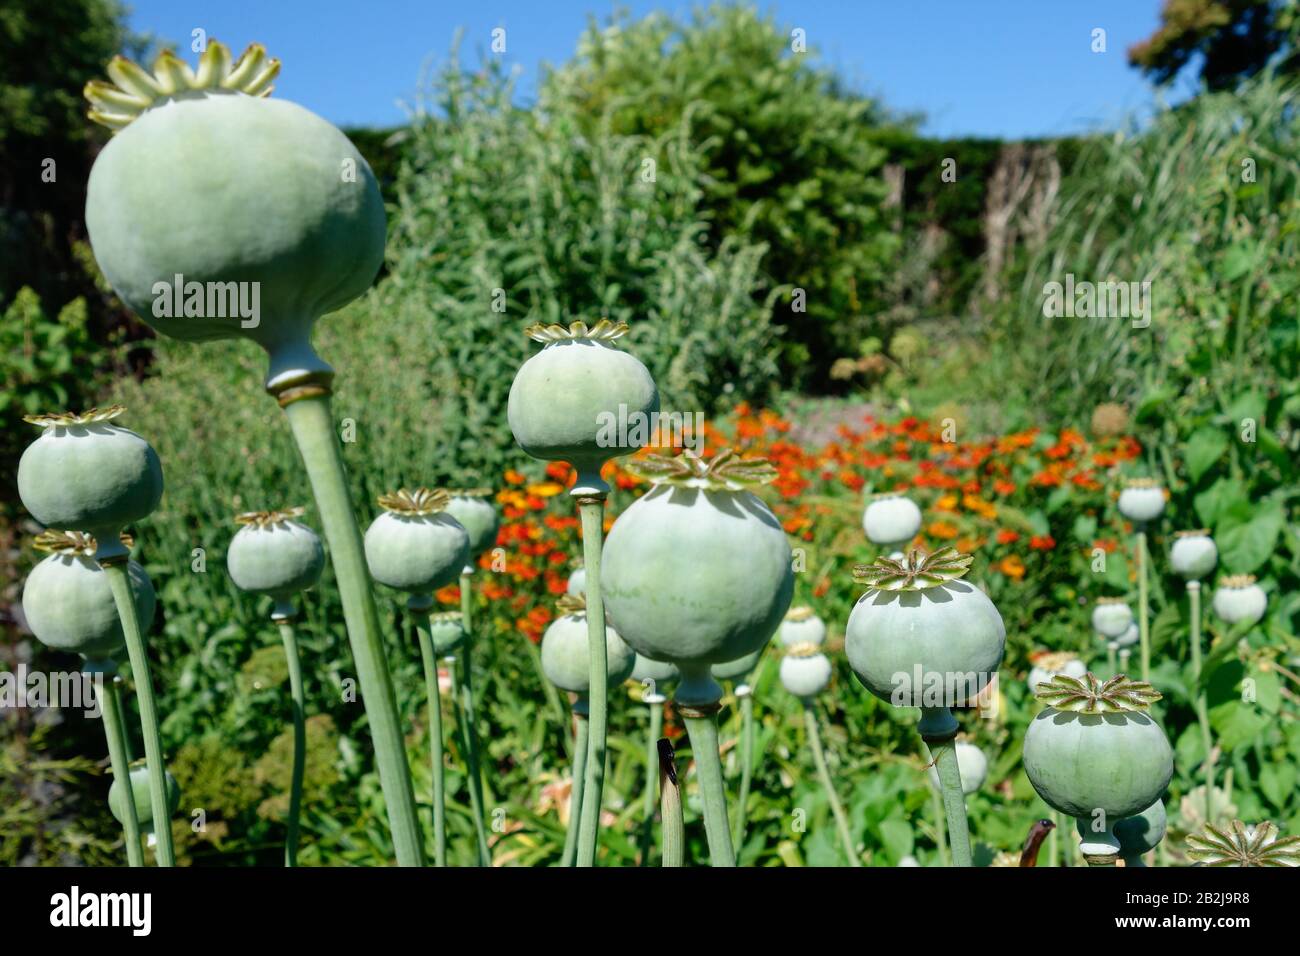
(1004,487)
(514,477)
(943,530)
(1012,567)
(545,489)
(1042,542)
(1007,536)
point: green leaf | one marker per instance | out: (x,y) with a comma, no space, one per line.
(1244,548)
(1204,448)
(897,836)
(1236,723)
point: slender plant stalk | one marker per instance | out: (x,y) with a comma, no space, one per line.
(819,760)
(1054,841)
(467,717)
(652,774)
(120,582)
(576,788)
(670,806)
(1143,609)
(294,660)
(552,695)
(433,702)
(592,510)
(939,822)
(746,763)
(110,705)
(703,731)
(1202,714)
(313,429)
(1135,860)
(1110,658)
(938,730)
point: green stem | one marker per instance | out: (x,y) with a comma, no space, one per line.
(703,731)
(1143,609)
(746,763)
(552,695)
(120,582)
(819,760)
(1110,658)
(1202,714)
(592,509)
(939,729)
(938,820)
(291,655)
(119,757)
(313,429)
(1054,841)
(652,771)
(670,806)
(433,702)
(1135,860)
(467,716)
(575,789)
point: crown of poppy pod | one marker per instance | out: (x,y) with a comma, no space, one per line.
(725,471)
(268,519)
(65,419)
(420,501)
(916,571)
(1240,845)
(1089,695)
(73,542)
(602,331)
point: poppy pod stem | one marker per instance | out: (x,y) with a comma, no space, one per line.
(652,771)
(938,729)
(115,569)
(576,787)
(1202,714)
(1144,634)
(110,705)
(467,716)
(283,616)
(591,508)
(819,760)
(746,695)
(698,698)
(670,805)
(418,607)
(307,406)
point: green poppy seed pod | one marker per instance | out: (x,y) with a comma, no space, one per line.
(806,673)
(661,672)
(1142,500)
(1193,555)
(87,474)
(1238,598)
(1047,664)
(921,636)
(1136,834)
(446,629)
(891,519)
(1129,637)
(565,654)
(577,585)
(582,400)
(971,764)
(414,546)
(139,787)
(739,669)
(476,513)
(697,575)
(69,605)
(1111,617)
(216,212)
(274,554)
(802,626)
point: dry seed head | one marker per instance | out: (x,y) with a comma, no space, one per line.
(602,331)
(725,471)
(1052,660)
(90,416)
(1240,845)
(1237,581)
(572,604)
(134,90)
(803,649)
(1193,533)
(267,519)
(73,542)
(801,613)
(1089,695)
(1109,419)
(1142,483)
(420,501)
(916,571)
(1112,600)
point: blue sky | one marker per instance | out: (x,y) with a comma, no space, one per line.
(1009,68)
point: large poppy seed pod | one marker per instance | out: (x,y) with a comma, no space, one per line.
(69,604)
(697,571)
(1047,664)
(1129,637)
(920,636)
(138,781)
(1238,598)
(87,474)
(1242,844)
(1194,554)
(654,676)
(415,546)
(473,508)
(802,626)
(891,518)
(805,671)
(971,763)
(1142,500)
(1094,753)
(216,212)
(1136,834)
(1112,617)
(274,554)
(739,669)
(565,646)
(577,585)
(446,628)
(582,400)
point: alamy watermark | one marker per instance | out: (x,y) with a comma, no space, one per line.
(1109,299)
(208,300)
(72,690)
(636,429)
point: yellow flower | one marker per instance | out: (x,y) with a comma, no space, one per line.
(546,489)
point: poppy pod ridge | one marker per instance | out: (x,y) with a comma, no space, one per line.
(922,637)
(218,212)
(566,404)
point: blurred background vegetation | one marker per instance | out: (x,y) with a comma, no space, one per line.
(773,236)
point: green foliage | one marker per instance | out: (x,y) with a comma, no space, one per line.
(789,159)
(1227,39)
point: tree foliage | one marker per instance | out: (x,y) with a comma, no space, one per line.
(1229,39)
